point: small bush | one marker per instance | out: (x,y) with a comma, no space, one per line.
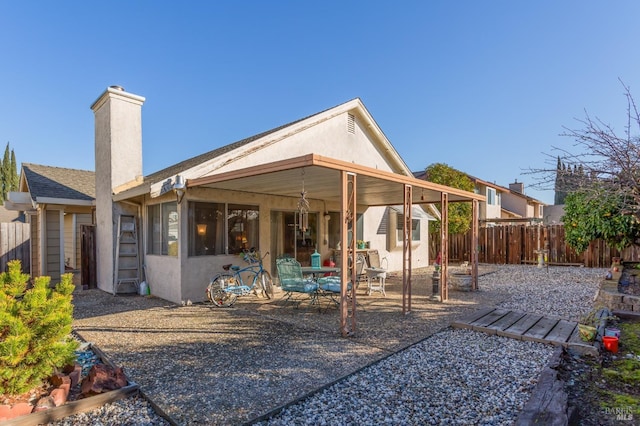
(35,329)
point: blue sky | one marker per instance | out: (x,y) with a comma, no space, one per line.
(483,86)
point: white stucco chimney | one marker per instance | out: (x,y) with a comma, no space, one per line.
(118,157)
(517,187)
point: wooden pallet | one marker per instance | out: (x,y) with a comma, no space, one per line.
(523,326)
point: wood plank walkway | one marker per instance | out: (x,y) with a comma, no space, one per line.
(523,326)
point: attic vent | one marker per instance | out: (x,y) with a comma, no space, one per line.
(351,123)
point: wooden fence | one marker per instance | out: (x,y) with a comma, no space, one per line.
(15,244)
(518,244)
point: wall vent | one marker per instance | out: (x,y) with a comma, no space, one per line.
(351,123)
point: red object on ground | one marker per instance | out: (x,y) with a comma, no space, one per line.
(610,343)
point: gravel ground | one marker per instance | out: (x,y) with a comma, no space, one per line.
(228,366)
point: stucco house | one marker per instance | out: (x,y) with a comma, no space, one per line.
(522,205)
(197,215)
(57,203)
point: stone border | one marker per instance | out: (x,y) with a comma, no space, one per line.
(609,296)
(548,404)
(78,406)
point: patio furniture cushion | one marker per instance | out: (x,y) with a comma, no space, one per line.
(331,283)
(291,279)
(304,286)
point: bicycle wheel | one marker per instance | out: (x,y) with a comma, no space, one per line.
(216,290)
(266,283)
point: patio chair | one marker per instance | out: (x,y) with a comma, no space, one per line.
(376,271)
(292,281)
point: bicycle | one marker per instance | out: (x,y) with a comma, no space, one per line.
(225,287)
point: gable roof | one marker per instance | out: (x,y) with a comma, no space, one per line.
(208,163)
(46,183)
(201,158)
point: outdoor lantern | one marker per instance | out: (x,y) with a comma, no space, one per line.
(315,259)
(179,187)
(202,229)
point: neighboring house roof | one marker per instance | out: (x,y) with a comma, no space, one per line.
(422,174)
(46,183)
(526,197)
(7,215)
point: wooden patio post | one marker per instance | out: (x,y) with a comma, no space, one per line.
(348,254)
(444,245)
(406,249)
(474,244)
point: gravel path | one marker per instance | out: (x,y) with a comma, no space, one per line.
(408,369)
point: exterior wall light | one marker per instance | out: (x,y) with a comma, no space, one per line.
(180,188)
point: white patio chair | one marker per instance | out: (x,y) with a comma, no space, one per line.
(376,273)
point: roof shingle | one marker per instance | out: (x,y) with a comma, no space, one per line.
(59,182)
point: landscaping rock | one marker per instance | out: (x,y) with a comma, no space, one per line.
(60,395)
(103,378)
(44,403)
(8,412)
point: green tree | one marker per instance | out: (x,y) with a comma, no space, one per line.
(9,179)
(459,213)
(35,328)
(598,214)
(6,172)
(15,179)
(604,196)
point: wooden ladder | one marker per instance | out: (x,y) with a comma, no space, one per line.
(127,265)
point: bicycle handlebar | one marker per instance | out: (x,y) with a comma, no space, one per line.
(252,255)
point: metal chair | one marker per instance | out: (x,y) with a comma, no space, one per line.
(376,272)
(293,282)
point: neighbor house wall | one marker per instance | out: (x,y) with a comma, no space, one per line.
(69,256)
(54,241)
(36,262)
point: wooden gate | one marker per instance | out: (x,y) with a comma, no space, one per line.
(88,256)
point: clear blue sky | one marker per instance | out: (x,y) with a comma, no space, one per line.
(483,86)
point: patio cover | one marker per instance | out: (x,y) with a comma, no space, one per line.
(351,185)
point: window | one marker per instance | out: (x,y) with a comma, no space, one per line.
(206,229)
(162,230)
(415,228)
(334,229)
(491,196)
(242,227)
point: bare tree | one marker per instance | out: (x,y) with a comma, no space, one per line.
(601,159)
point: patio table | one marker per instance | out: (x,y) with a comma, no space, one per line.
(310,270)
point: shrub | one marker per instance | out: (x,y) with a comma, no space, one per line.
(35,329)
